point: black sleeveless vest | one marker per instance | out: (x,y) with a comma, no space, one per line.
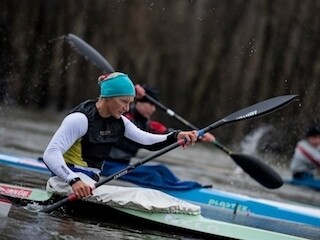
(124,150)
(102,134)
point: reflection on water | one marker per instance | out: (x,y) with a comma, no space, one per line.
(23,224)
(26,133)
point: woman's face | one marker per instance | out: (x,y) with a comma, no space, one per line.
(146,109)
(116,106)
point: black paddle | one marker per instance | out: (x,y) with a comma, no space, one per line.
(258,170)
(255,110)
(255,168)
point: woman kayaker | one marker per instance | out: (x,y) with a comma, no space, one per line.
(306,158)
(87,134)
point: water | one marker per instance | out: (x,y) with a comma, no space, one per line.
(26,133)
(23,224)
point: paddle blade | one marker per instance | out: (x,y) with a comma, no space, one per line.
(90,53)
(258,170)
(261,108)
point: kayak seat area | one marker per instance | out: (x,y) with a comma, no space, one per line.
(154,176)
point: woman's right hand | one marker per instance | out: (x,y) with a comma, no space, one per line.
(190,137)
(81,189)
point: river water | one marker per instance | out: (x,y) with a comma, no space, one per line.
(26,133)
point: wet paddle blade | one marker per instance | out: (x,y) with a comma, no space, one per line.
(258,170)
(261,108)
(90,53)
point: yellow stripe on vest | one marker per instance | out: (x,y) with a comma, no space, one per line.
(74,155)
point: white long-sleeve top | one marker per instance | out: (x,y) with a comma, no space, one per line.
(306,158)
(74,127)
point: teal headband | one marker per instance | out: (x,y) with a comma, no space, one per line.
(116,85)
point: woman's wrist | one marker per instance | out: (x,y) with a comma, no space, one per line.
(176,133)
(74,180)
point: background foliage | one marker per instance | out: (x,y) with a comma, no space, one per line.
(208,58)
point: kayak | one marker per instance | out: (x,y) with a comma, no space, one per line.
(35,165)
(232,204)
(192,225)
(237,203)
(315,185)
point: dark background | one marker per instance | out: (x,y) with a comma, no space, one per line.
(208,58)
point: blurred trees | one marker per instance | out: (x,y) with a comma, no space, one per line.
(208,58)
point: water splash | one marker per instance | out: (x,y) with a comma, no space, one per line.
(33,207)
(250,142)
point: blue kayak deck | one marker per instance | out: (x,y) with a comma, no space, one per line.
(239,204)
(314,184)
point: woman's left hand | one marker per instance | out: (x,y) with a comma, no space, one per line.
(207,137)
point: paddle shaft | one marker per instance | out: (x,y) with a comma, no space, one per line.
(170,112)
(114,176)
